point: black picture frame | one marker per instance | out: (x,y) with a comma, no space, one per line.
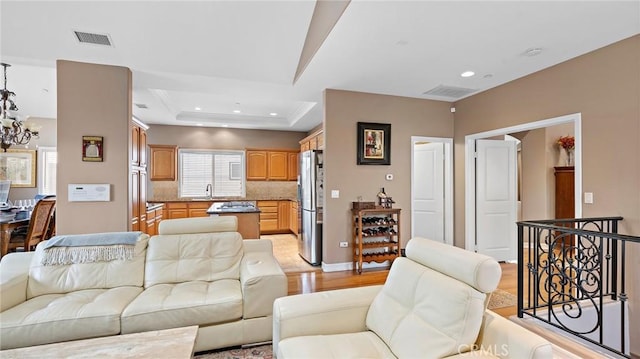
(374,143)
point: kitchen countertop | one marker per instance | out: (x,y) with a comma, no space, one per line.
(219,200)
(221,207)
(152,206)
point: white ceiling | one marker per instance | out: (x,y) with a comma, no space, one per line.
(217,54)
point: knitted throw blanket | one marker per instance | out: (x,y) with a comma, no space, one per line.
(90,248)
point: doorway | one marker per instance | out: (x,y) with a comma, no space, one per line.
(508,240)
(432,188)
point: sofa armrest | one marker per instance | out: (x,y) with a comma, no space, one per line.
(504,339)
(330,312)
(262,281)
(14,275)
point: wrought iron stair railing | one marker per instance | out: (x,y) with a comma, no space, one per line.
(572,275)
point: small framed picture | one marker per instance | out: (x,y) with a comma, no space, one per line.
(374,143)
(92,148)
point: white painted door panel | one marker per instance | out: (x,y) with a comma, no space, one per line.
(496,199)
(428,191)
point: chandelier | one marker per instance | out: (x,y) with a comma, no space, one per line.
(13,131)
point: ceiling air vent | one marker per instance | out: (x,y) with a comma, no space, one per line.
(140,105)
(89,38)
(449,91)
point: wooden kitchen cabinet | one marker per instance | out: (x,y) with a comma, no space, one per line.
(163,162)
(268,216)
(154,216)
(293,166)
(277,168)
(198,209)
(293,217)
(177,210)
(275,216)
(314,141)
(135,200)
(256,165)
(138,163)
(284,207)
(267,165)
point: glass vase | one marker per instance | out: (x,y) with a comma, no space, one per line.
(570,157)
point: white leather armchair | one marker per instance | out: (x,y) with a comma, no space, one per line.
(431,306)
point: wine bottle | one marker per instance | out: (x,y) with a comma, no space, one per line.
(382,194)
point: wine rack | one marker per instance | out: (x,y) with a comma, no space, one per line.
(376,235)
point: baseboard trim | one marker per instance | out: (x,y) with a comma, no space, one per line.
(338,267)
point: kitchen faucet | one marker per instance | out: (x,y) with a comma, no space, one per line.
(208,191)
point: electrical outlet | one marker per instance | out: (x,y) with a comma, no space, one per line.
(344,244)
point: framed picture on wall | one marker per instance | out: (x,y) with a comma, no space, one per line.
(92,148)
(374,143)
(19,167)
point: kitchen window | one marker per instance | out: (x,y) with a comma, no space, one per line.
(223,170)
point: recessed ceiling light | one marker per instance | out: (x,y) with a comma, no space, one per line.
(225,125)
(273,114)
(236,111)
(467,74)
(534,51)
(198,124)
(198,109)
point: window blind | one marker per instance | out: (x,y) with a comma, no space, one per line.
(222,169)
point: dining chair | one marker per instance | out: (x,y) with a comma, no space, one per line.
(38,226)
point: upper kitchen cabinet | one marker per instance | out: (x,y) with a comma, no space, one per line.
(293,166)
(314,141)
(138,144)
(277,167)
(256,165)
(163,162)
(267,165)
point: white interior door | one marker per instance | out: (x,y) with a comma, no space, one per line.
(428,194)
(496,199)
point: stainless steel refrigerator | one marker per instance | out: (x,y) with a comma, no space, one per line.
(311,198)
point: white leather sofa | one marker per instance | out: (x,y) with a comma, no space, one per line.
(432,305)
(197,271)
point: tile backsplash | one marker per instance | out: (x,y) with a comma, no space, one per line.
(168,190)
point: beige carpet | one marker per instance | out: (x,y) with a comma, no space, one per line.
(285,249)
(259,352)
(500,299)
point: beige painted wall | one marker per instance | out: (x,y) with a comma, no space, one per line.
(540,154)
(408,117)
(221,139)
(93,100)
(534,176)
(47,138)
(604,86)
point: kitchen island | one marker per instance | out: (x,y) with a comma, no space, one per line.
(247,213)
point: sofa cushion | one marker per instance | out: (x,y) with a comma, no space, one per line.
(339,346)
(59,317)
(423,313)
(199,225)
(205,257)
(51,279)
(165,306)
